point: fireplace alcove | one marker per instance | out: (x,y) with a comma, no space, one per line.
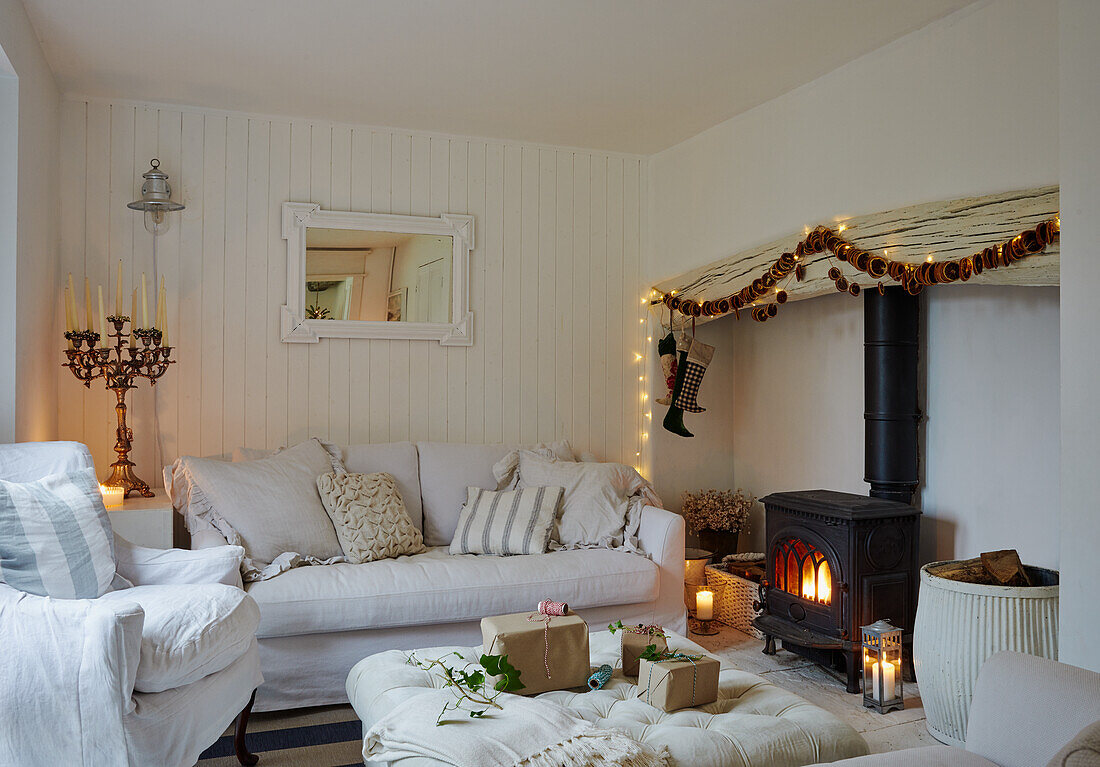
(838,561)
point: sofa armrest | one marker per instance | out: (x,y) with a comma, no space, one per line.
(147,567)
(661,534)
(68,678)
(1026,708)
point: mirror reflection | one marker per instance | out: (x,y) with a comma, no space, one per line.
(378,276)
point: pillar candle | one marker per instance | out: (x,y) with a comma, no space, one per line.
(88,304)
(133,318)
(144,303)
(118,290)
(102,321)
(704,605)
(887,681)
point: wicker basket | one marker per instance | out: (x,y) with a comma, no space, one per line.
(733,598)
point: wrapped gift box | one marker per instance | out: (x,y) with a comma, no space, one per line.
(635,640)
(678,683)
(531,645)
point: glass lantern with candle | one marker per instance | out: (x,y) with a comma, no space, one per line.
(882,685)
(704,613)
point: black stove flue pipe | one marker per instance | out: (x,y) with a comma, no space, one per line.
(891,326)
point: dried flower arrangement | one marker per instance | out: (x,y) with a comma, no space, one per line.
(718,510)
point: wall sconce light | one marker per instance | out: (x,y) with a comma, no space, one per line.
(156,200)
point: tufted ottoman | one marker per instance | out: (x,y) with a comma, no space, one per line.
(752,724)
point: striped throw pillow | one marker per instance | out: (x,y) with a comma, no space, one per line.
(509,522)
(55,537)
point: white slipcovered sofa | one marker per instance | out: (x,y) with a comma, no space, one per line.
(317,622)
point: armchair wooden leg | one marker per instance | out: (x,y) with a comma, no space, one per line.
(243,755)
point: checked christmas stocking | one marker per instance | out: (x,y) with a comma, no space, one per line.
(698,357)
(674,418)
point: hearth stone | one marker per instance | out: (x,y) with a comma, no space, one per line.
(836,562)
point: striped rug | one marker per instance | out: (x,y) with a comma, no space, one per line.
(313,737)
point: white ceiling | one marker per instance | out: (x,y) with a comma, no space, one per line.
(625,75)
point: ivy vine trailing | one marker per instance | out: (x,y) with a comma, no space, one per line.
(469,682)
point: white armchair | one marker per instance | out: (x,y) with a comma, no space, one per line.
(67,680)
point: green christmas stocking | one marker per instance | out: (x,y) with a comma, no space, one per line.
(674,418)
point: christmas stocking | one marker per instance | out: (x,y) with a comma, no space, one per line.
(674,418)
(698,357)
(666,347)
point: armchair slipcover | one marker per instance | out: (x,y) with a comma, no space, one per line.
(69,666)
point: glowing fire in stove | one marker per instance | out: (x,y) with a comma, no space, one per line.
(819,589)
(804,571)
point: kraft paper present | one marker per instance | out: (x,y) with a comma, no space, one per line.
(531,647)
(674,684)
(634,644)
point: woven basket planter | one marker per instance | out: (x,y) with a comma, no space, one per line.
(733,598)
(959,625)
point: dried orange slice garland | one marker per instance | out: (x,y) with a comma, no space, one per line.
(913,277)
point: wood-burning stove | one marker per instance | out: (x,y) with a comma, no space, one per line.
(836,561)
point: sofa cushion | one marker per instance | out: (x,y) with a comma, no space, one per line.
(190,631)
(369,516)
(55,536)
(446,470)
(396,458)
(436,587)
(596,501)
(506,522)
(270,504)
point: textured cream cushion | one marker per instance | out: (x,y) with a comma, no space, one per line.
(190,631)
(596,501)
(753,722)
(369,516)
(396,458)
(269,506)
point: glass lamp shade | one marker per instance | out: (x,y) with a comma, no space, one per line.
(156,200)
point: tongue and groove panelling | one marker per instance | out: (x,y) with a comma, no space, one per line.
(555,285)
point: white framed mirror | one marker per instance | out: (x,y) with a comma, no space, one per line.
(374,275)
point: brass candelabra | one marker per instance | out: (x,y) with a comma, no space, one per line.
(120,366)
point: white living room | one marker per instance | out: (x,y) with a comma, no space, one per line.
(548,383)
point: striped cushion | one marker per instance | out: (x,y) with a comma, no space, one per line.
(55,537)
(511,522)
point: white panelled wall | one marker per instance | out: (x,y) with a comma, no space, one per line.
(555,285)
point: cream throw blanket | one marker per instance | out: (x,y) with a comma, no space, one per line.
(526,732)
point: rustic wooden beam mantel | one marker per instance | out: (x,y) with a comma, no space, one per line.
(946,230)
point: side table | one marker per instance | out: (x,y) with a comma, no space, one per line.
(145,521)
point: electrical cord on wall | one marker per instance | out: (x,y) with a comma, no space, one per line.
(158,447)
